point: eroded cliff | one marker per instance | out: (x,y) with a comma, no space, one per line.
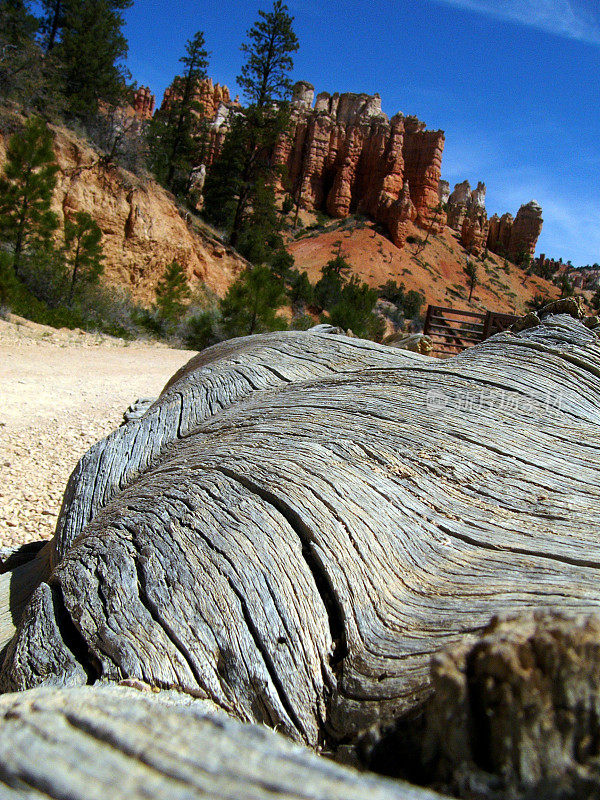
(142,229)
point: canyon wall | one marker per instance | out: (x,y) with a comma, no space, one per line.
(345,156)
(142,229)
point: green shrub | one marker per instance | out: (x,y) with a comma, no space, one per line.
(302,322)
(202,329)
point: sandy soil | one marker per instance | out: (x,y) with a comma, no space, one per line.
(437,272)
(60,391)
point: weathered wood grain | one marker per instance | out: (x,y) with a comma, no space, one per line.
(302,520)
(20,575)
(93,744)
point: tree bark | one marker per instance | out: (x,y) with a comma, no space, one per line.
(302,520)
(133,744)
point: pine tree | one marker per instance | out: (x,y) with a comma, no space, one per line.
(91,50)
(245,164)
(186,109)
(55,18)
(354,310)
(26,189)
(271,41)
(334,275)
(17,24)
(84,251)
(171,293)
(470,271)
(21,62)
(251,303)
(52,21)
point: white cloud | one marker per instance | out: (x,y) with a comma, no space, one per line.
(560,17)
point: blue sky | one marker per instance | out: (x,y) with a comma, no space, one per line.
(515,84)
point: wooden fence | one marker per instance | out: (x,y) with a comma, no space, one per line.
(452,330)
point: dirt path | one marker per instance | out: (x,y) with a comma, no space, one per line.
(60,391)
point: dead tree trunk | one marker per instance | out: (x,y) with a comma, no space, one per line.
(303,519)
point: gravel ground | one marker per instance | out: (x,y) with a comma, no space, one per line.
(60,391)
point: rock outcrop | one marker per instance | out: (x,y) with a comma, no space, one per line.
(525,231)
(499,233)
(142,229)
(467,215)
(346,156)
(207,94)
(516,239)
(144,103)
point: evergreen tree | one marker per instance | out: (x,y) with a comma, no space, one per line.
(537,302)
(53,12)
(55,18)
(412,303)
(251,303)
(300,289)
(271,41)
(329,287)
(171,293)
(260,239)
(354,310)
(84,251)
(565,286)
(17,24)
(21,63)
(223,183)
(393,293)
(470,271)
(176,137)
(26,189)
(245,165)
(91,49)
(185,108)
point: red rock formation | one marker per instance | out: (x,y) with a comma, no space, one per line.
(499,233)
(422,152)
(458,202)
(346,156)
(467,215)
(208,95)
(525,232)
(516,239)
(473,233)
(143,103)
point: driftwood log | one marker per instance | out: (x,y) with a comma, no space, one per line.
(302,520)
(119,743)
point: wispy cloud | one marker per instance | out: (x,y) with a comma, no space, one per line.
(567,18)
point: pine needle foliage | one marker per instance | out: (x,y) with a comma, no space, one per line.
(26,189)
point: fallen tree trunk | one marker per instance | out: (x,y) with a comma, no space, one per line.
(302,520)
(93,744)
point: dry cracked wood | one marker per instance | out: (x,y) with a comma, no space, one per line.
(301,520)
(93,744)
